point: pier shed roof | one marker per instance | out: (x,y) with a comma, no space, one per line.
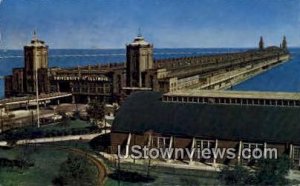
(237,94)
(144,111)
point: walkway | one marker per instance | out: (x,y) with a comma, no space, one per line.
(55,139)
(31,99)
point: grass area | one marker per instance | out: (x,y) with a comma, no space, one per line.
(70,124)
(47,161)
(46,166)
(82,145)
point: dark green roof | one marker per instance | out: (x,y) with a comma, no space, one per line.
(144,111)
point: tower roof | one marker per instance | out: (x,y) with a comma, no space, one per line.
(35,42)
(139,40)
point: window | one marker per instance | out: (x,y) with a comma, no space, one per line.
(296,155)
(205,144)
(195,100)
(251,146)
(202,144)
(161,142)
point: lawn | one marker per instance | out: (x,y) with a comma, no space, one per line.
(47,160)
(46,165)
(70,124)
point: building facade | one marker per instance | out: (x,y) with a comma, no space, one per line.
(112,82)
(139,56)
(36,62)
(101,82)
(23,80)
(188,125)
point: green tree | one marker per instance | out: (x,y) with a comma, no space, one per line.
(77,171)
(273,171)
(96,111)
(238,175)
(267,172)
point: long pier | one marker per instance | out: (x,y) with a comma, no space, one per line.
(228,79)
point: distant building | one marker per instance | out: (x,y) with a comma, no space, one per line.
(112,82)
(101,82)
(284,43)
(22,82)
(261,43)
(139,55)
(35,58)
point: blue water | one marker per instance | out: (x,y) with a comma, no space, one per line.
(281,78)
(285,77)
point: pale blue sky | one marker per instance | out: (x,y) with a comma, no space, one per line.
(165,23)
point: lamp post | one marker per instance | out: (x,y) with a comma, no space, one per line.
(36,86)
(37,96)
(2,128)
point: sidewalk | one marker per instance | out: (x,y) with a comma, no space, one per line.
(56,139)
(166,163)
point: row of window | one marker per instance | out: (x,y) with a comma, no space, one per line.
(92,89)
(213,60)
(232,101)
(165,142)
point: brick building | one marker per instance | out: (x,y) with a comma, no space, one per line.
(23,80)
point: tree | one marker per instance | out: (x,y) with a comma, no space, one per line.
(268,172)
(96,111)
(273,171)
(238,175)
(77,171)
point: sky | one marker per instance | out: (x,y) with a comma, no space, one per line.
(165,23)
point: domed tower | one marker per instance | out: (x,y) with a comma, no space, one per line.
(284,43)
(36,58)
(261,43)
(139,55)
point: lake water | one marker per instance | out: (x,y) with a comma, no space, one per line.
(282,78)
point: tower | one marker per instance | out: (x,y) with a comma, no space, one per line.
(284,43)
(139,56)
(36,58)
(261,43)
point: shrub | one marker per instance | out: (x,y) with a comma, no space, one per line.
(76,171)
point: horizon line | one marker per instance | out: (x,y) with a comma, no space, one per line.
(3,49)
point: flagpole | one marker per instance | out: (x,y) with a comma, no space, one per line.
(37,96)
(37,89)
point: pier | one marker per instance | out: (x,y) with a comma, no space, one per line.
(226,80)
